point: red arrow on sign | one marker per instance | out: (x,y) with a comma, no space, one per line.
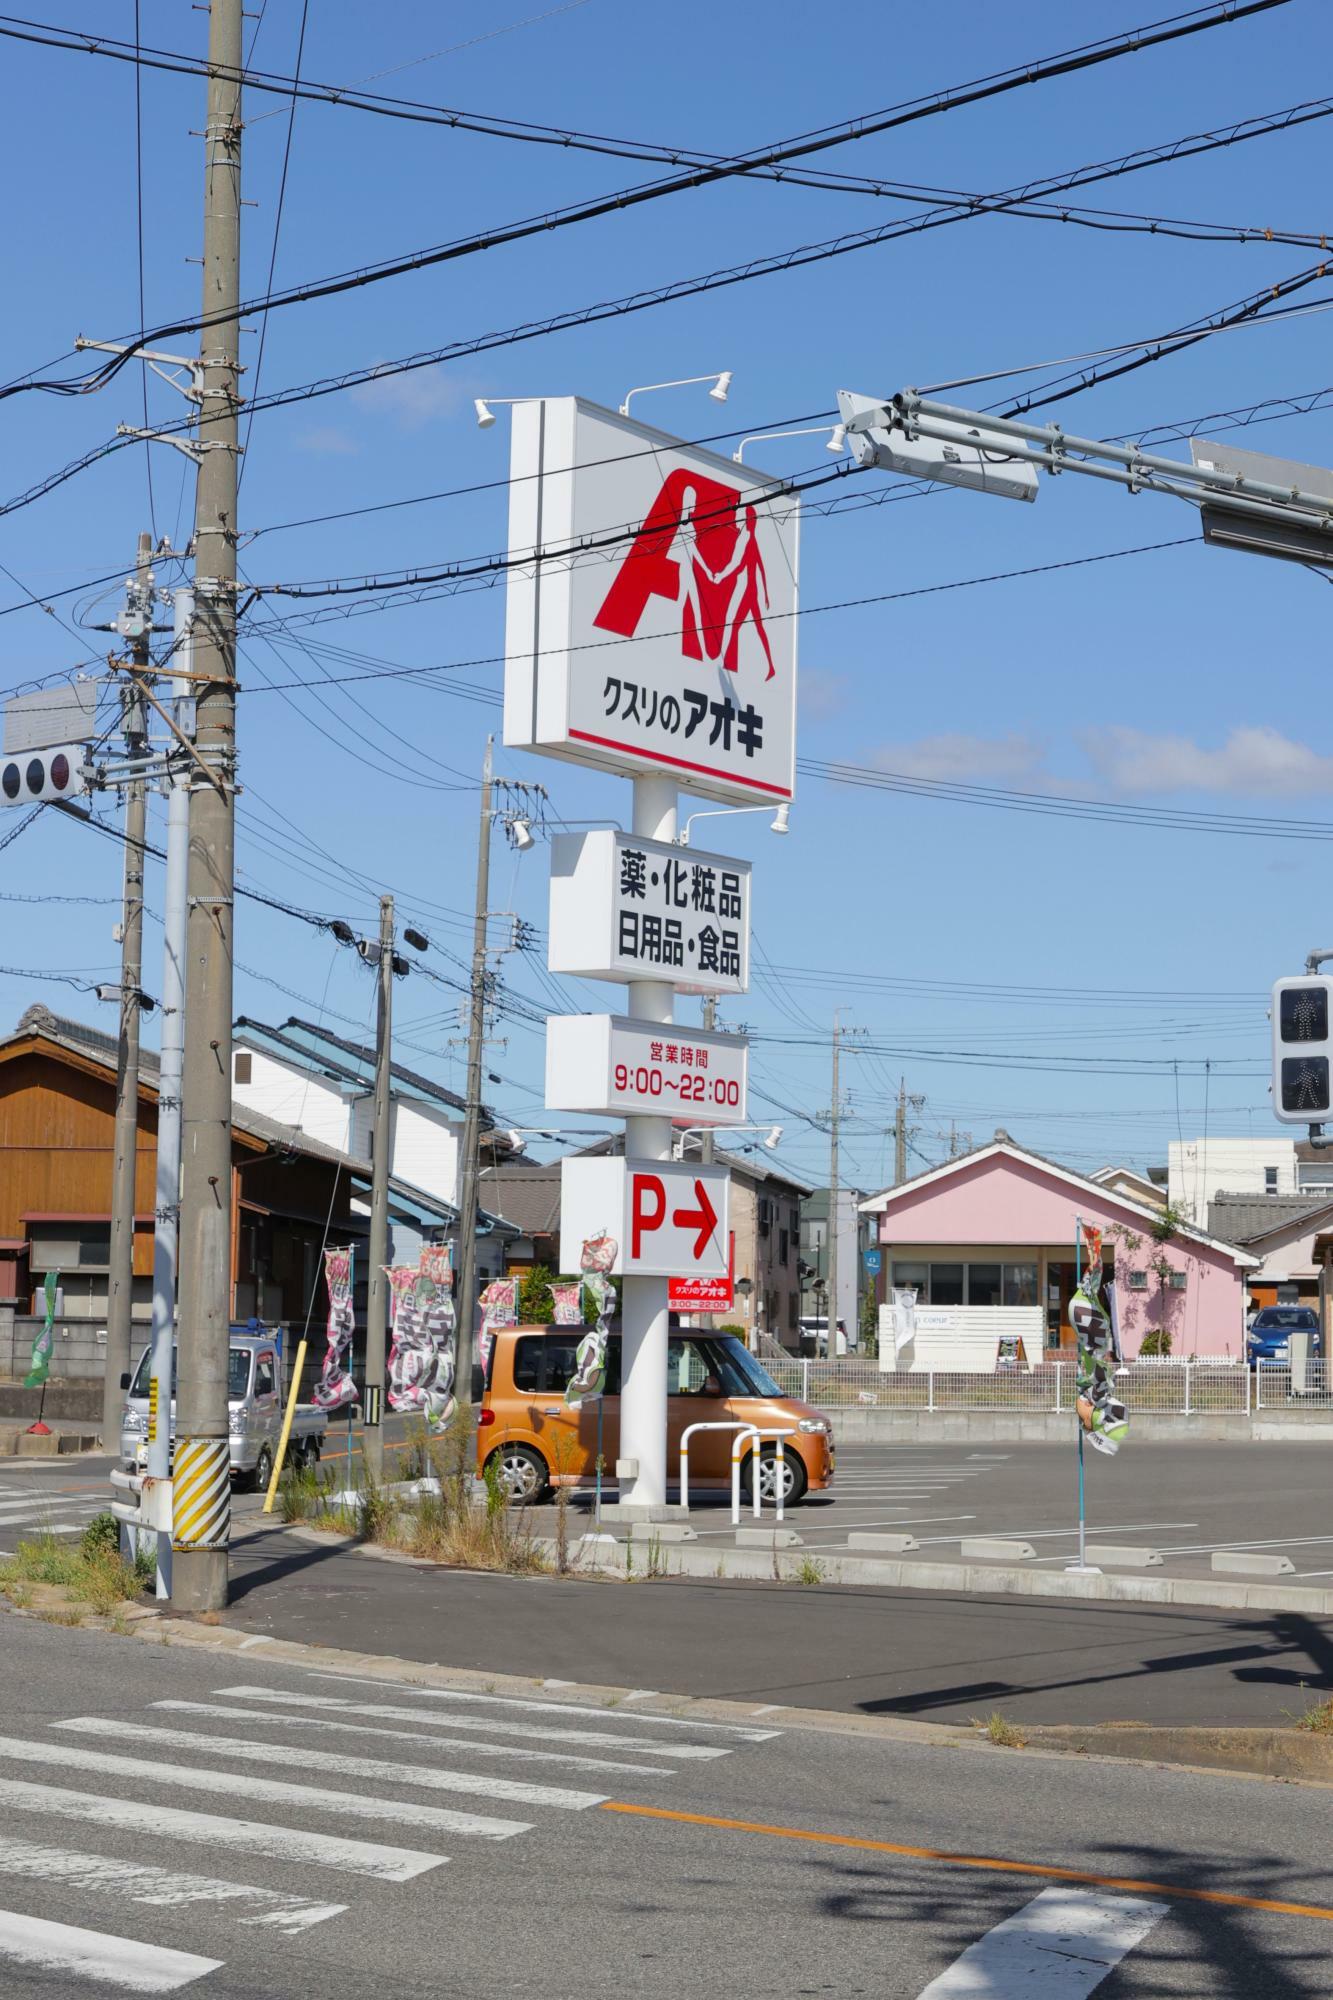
(704,1218)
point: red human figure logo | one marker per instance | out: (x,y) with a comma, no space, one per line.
(693,551)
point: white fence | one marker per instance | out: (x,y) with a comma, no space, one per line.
(1160,1387)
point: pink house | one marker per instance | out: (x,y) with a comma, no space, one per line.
(996,1231)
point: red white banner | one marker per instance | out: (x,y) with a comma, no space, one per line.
(706,1295)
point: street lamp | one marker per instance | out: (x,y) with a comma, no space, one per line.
(773,1134)
(837,438)
(781,818)
(721,384)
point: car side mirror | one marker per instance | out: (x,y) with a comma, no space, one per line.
(125,1379)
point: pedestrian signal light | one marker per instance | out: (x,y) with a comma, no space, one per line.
(1302,1050)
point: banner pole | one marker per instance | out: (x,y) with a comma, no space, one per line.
(1082,1518)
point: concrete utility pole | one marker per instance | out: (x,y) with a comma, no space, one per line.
(167,1222)
(202,1489)
(138,625)
(833,1201)
(380,1160)
(470,1166)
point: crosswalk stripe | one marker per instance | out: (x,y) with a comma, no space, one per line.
(430,1737)
(124,1963)
(512,1790)
(548,1707)
(603,1739)
(281,1843)
(270,1791)
(1060,1946)
(139,1882)
(33,1507)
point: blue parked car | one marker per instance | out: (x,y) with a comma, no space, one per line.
(1268,1338)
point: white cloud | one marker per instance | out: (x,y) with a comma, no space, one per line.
(327,438)
(823,692)
(962,759)
(1253,762)
(418,397)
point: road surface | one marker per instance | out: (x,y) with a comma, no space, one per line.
(174,1820)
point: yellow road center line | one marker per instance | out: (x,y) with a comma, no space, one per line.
(990,1862)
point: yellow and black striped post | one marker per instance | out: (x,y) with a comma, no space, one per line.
(201,1494)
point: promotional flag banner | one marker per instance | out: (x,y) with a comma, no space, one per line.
(335,1387)
(422,1360)
(589,1377)
(499,1307)
(40,1363)
(568,1303)
(1100,1411)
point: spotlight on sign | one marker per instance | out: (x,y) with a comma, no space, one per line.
(720,388)
(781,820)
(485,414)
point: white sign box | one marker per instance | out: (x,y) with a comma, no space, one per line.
(615,1067)
(623,908)
(659,631)
(666,1219)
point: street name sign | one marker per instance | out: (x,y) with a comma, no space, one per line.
(657,633)
(668,1219)
(613,1067)
(624,908)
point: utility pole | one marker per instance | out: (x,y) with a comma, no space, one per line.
(372,1444)
(137,625)
(901,1130)
(202,1488)
(468,1177)
(833,1202)
(166,1229)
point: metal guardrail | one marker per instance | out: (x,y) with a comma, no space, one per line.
(152,1509)
(1156,1386)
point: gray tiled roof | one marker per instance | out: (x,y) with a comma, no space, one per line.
(1243,1218)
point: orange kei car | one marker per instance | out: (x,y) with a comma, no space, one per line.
(525,1427)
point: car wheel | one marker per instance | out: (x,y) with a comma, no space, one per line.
(795,1479)
(523,1473)
(257,1480)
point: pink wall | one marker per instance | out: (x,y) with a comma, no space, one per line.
(1005,1200)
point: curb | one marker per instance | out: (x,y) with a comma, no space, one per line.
(1258,1753)
(640,1560)
(984,1579)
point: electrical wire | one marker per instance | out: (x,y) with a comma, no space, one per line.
(802,146)
(138,208)
(273,252)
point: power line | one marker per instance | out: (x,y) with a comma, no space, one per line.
(795,259)
(1001,83)
(277,231)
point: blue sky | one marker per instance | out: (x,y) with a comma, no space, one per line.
(1183,678)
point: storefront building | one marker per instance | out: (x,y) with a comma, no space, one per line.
(989,1242)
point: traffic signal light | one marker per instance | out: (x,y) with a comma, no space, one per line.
(41,775)
(1302,1015)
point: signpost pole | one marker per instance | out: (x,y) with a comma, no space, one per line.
(1082,1517)
(644,1312)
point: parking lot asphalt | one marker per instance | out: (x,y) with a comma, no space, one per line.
(1183,1500)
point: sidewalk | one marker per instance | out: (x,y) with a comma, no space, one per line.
(939,1656)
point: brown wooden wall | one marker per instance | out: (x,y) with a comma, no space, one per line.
(57,1143)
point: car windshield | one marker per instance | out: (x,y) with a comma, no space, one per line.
(741,1374)
(238,1372)
(1275,1318)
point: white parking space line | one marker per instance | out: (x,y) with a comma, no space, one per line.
(137,1882)
(268,1791)
(543,1707)
(1053,1534)
(1279,1542)
(512,1790)
(122,1963)
(431,1738)
(281,1843)
(1061,1946)
(595,1739)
